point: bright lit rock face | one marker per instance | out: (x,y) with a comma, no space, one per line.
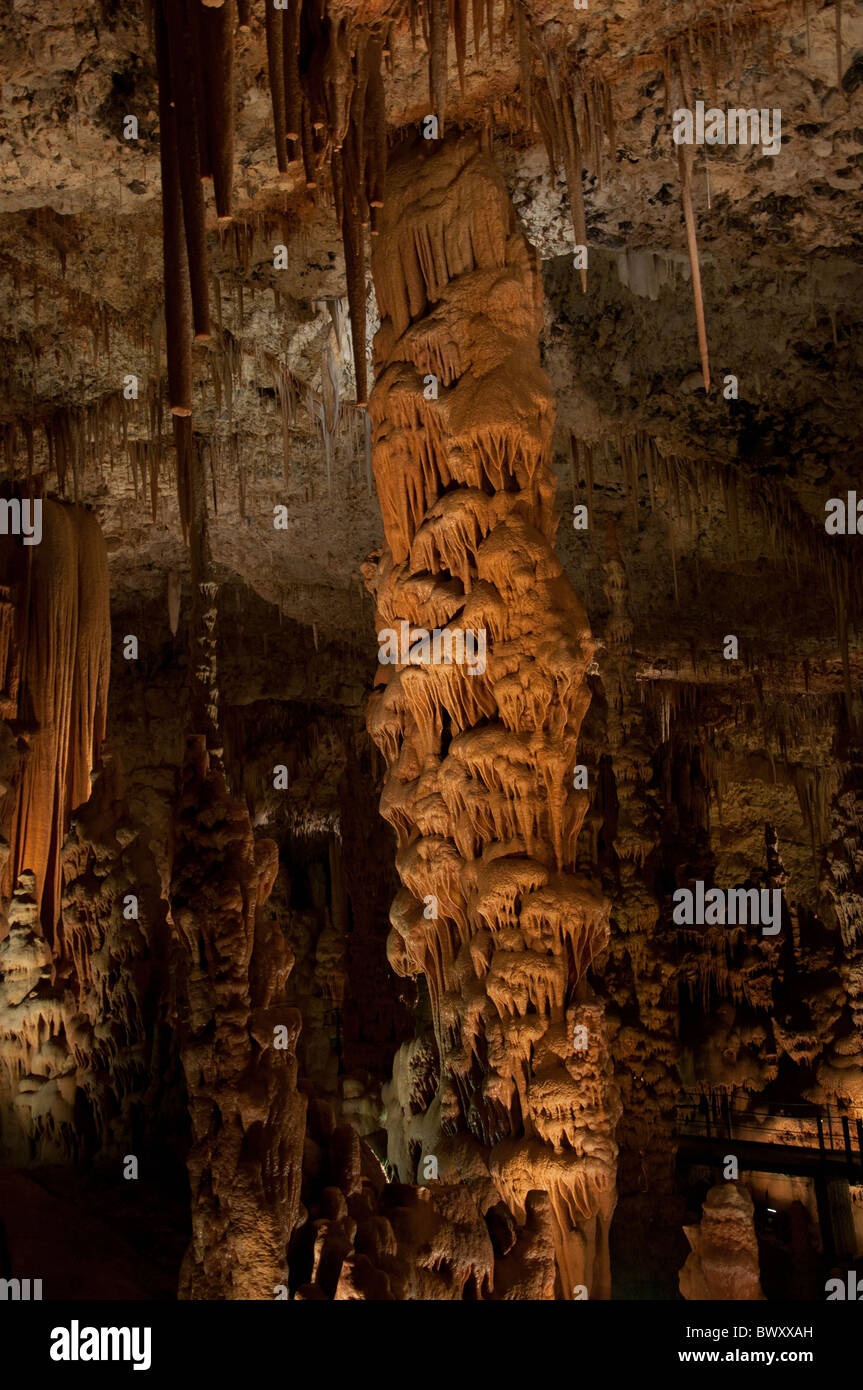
(54,670)
(482,747)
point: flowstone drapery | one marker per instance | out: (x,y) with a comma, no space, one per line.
(480,728)
(55,643)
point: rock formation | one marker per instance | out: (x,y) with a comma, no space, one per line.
(55,658)
(214,1079)
(238,1046)
(482,751)
(723,1263)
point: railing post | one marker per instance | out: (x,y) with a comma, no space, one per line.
(849,1156)
(820,1135)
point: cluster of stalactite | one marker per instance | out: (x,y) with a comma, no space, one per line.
(194,61)
(839,1068)
(694,62)
(329,102)
(329,105)
(744,1026)
(638,974)
(363,1237)
(54,672)
(480,764)
(682,488)
(87,1057)
(68,441)
(55,640)
(237,1044)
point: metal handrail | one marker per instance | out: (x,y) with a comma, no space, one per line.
(816,1127)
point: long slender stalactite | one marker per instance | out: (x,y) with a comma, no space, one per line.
(480,757)
(275,63)
(182,60)
(217,66)
(684,162)
(178,299)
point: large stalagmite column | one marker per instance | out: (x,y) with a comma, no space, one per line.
(238,1045)
(479,728)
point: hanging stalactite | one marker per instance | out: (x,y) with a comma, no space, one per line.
(178,301)
(55,660)
(276,66)
(182,65)
(438,22)
(217,30)
(684,161)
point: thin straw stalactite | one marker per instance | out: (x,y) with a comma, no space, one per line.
(684,166)
(376,123)
(199,76)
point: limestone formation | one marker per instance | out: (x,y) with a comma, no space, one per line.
(283,287)
(238,1047)
(481,755)
(723,1263)
(55,657)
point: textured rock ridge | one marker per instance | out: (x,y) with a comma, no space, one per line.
(481,757)
(238,1046)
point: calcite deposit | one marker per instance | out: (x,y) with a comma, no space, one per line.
(55,636)
(426,552)
(723,1263)
(481,762)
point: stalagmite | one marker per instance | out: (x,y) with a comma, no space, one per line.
(245,1160)
(723,1262)
(480,756)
